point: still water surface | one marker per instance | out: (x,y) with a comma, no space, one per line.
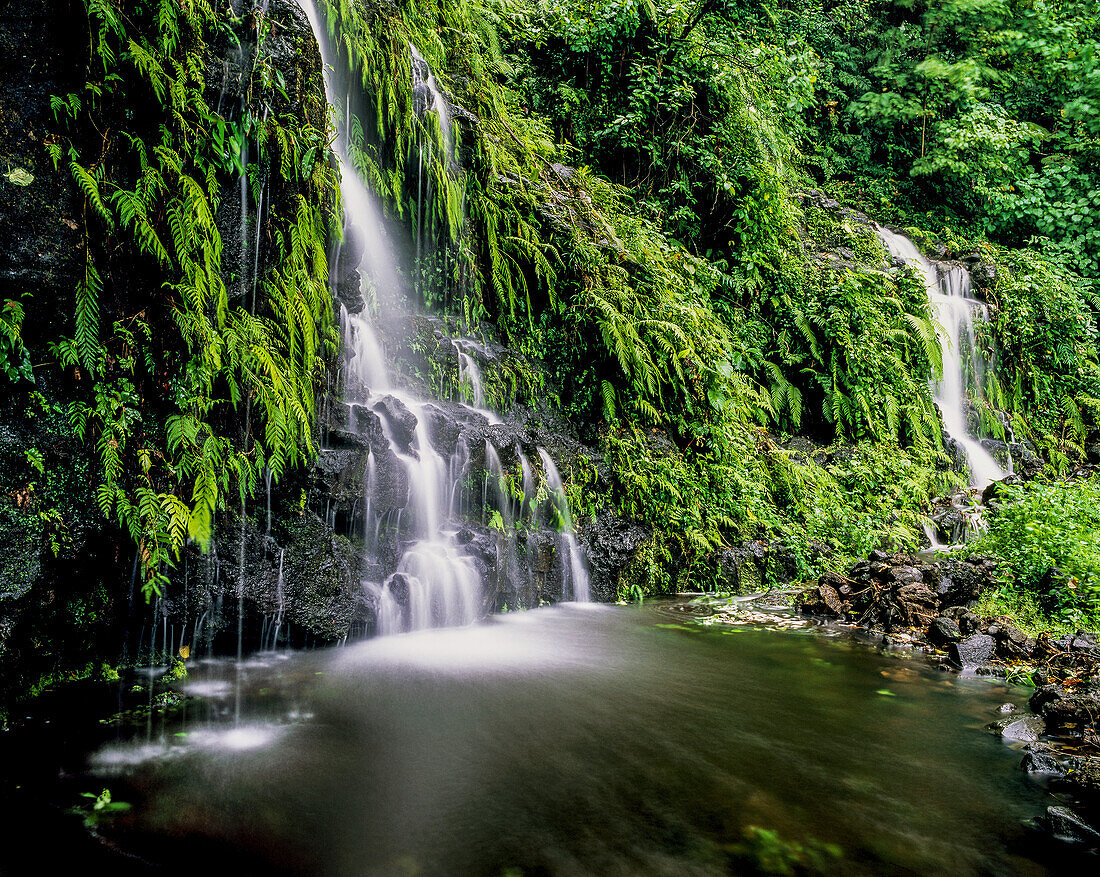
(575,740)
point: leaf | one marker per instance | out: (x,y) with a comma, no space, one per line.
(19,177)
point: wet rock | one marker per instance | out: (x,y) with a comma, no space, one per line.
(1064,709)
(944,631)
(913,605)
(1087,774)
(963,582)
(1042,762)
(1027,729)
(972,652)
(400,420)
(823,600)
(1067,825)
(983,274)
(1012,642)
(443,429)
(903,575)
(1025,462)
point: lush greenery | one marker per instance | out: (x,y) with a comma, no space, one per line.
(1047,535)
(189,378)
(637,197)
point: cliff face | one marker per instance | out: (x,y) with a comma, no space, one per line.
(284,567)
(70,590)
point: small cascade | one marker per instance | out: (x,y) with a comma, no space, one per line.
(430,99)
(425,563)
(577,574)
(495,486)
(469,374)
(949,294)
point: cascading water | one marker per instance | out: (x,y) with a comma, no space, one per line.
(431,99)
(954,307)
(435,580)
(573,557)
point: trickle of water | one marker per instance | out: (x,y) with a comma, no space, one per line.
(424,82)
(953,306)
(574,556)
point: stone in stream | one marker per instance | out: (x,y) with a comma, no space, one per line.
(1007,708)
(943,631)
(1042,762)
(972,652)
(1067,825)
(1027,729)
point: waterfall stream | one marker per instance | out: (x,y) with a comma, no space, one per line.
(953,306)
(431,579)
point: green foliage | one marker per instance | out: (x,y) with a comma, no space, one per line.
(1047,536)
(15,362)
(191,390)
(99,807)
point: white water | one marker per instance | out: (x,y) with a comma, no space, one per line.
(953,307)
(573,557)
(424,77)
(434,583)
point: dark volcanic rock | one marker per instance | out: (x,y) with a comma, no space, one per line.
(400,420)
(1042,762)
(944,631)
(972,652)
(1064,709)
(1067,825)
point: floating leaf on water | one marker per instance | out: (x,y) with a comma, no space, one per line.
(20,177)
(886,692)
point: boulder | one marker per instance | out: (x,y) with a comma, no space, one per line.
(972,652)
(400,421)
(1067,825)
(943,631)
(1042,762)
(1011,641)
(1068,710)
(1027,729)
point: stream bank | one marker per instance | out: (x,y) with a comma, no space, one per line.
(926,605)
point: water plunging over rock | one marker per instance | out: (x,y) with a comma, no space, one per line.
(578,575)
(410,476)
(963,365)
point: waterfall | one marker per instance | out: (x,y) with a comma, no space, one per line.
(421,568)
(430,98)
(571,550)
(953,306)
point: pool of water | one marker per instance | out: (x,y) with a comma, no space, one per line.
(567,740)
